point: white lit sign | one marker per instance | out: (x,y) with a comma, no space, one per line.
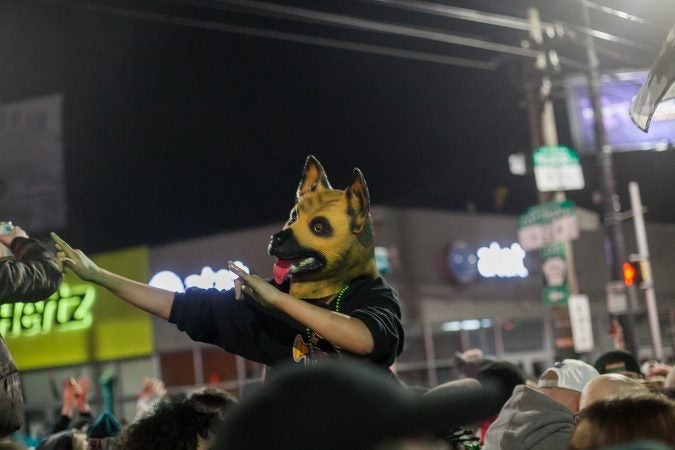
(507,262)
(223,279)
(469,325)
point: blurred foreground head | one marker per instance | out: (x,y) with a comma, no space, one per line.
(339,406)
(179,422)
(623,420)
(608,386)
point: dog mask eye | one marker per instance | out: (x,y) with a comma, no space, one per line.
(321,227)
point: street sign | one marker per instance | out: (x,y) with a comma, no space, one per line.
(557,168)
(580,320)
(617,298)
(547,223)
(554,266)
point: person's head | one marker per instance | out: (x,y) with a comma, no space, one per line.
(607,386)
(178,422)
(338,405)
(618,361)
(565,380)
(469,362)
(329,406)
(64,440)
(621,420)
(501,374)
(210,399)
(654,369)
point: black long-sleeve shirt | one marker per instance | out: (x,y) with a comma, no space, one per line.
(271,337)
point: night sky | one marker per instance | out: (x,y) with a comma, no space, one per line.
(173,132)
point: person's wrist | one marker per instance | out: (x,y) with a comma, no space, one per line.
(100,277)
(83,408)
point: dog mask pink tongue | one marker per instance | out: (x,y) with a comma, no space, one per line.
(281,269)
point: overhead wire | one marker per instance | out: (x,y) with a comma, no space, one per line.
(258,7)
(512,22)
(379,27)
(272,34)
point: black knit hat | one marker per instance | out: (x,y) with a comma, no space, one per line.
(630,364)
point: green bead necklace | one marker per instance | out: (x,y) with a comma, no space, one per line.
(338,299)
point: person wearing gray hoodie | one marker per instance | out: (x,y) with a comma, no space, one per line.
(530,420)
(541,418)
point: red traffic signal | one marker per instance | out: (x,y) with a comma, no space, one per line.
(632,273)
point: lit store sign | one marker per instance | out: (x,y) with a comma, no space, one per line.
(67,309)
(507,262)
(223,279)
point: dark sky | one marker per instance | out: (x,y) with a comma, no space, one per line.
(173,132)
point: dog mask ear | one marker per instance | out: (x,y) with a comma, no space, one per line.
(313,177)
(358,200)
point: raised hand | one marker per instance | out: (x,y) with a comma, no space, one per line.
(83,385)
(253,285)
(76,260)
(69,396)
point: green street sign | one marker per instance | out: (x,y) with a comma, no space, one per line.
(554,266)
(547,223)
(557,168)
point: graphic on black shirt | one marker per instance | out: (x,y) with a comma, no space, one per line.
(311,353)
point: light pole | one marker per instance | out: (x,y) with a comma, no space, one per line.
(610,199)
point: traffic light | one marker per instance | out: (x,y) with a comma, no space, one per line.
(632,273)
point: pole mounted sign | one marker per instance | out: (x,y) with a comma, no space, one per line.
(580,320)
(547,223)
(557,168)
(554,267)
(548,227)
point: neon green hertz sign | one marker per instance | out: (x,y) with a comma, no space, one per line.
(67,309)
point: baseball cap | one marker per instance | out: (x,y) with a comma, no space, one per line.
(617,361)
(571,374)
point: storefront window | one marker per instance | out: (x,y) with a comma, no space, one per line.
(446,344)
(483,339)
(523,335)
(178,369)
(218,366)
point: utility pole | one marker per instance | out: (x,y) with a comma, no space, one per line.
(543,132)
(643,255)
(610,198)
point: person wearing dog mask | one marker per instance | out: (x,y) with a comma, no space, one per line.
(327,299)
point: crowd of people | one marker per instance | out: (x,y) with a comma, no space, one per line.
(572,405)
(344,403)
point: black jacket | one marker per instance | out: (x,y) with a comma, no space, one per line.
(31,274)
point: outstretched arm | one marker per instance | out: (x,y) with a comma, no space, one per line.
(151,299)
(340,330)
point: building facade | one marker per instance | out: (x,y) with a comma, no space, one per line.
(455,296)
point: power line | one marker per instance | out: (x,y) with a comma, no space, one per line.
(279,35)
(380,27)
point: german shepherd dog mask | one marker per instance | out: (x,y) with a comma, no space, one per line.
(328,239)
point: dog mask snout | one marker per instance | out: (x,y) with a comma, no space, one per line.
(278,239)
